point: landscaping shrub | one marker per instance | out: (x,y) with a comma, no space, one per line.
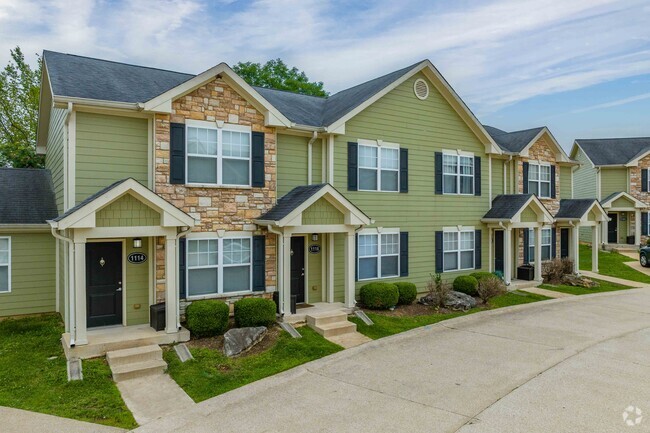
(379,296)
(466,284)
(567,265)
(438,291)
(407,293)
(207,318)
(480,275)
(489,287)
(553,271)
(254,312)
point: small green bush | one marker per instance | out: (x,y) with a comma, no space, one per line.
(254,312)
(466,284)
(379,296)
(480,275)
(407,293)
(207,318)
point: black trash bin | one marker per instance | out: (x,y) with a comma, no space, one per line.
(157,316)
(630,240)
(526,272)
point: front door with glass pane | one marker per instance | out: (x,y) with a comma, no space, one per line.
(103,283)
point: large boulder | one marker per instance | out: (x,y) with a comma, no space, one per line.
(239,340)
(459,301)
(576,281)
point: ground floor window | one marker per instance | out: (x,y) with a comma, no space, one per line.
(458,250)
(546,244)
(5,265)
(218,266)
(378,255)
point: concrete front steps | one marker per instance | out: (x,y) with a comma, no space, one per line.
(136,362)
(334,326)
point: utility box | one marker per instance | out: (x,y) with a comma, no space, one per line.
(157,316)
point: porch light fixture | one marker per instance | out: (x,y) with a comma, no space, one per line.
(137,243)
(314,237)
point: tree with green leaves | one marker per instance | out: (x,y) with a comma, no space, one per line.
(19,94)
(275,74)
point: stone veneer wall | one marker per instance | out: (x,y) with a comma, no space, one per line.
(230,209)
(635,190)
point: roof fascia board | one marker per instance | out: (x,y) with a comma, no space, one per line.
(24,228)
(635,162)
(132,106)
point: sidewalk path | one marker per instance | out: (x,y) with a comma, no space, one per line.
(613,279)
(22,421)
(548,293)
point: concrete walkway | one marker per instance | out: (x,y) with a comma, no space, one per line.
(22,421)
(564,365)
(615,280)
(548,293)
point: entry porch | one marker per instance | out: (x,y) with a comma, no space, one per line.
(625,214)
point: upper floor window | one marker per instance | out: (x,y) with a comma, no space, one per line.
(539,180)
(378,168)
(218,156)
(458,250)
(5,265)
(457,174)
(547,242)
(379,254)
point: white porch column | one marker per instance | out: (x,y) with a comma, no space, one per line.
(285,284)
(80,293)
(594,248)
(171,286)
(349,270)
(490,248)
(603,232)
(575,236)
(637,227)
(538,253)
(507,255)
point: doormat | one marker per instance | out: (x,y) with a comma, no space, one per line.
(299,306)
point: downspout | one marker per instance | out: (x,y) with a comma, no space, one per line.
(309,157)
(71,290)
(179,235)
(490,180)
(280,266)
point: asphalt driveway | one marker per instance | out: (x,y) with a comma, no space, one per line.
(567,365)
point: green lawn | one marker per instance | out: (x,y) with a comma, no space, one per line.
(611,264)
(212,373)
(389,325)
(605,286)
(33,375)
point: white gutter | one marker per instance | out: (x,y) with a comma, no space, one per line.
(280,267)
(309,156)
(179,235)
(98,103)
(71,288)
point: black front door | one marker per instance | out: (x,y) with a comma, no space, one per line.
(298,268)
(103,283)
(612,228)
(498,250)
(564,243)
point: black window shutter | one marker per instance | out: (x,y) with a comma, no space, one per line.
(404,254)
(403,170)
(644,223)
(477,175)
(553,243)
(257,159)
(439,252)
(353,165)
(182,242)
(526,245)
(477,249)
(438,179)
(176,153)
(552,181)
(644,180)
(525,170)
(259,263)
(356,256)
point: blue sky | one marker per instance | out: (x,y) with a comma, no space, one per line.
(581,67)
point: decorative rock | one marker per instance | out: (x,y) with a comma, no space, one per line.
(576,281)
(459,301)
(239,340)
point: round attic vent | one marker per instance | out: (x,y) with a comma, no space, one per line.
(421,89)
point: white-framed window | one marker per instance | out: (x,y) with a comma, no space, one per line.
(457,174)
(539,179)
(458,250)
(217,266)
(547,242)
(378,254)
(378,167)
(5,265)
(218,156)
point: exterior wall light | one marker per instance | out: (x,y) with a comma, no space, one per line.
(314,237)
(137,243)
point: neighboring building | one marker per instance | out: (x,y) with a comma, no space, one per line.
(616,172)
(166,187)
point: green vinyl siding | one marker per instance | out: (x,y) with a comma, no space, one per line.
(497,177)
(109,148)
(622,202)
(317,162)
(137,286)
(322,212)
(292,162)
(613,180)
(127,211)
(565,182)
(585,178)
(423,127)
(55,153)
(528,215)
(33,275)
(315,270)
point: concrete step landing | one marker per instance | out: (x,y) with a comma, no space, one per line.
(136,362)
(334,326)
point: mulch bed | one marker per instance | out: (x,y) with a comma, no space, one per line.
(415,309)
(216,343)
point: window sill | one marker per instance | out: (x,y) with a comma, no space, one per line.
(213,186)
(458,270)
(219,295)
(377,278)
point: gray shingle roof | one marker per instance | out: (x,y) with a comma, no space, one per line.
(514,141)
(506,206)
(614,151)
(574,208)
(26,196)
(90,199)
(85,77)
(291,201)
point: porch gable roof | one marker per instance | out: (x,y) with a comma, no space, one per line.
(509,207)
(578,209)
(607,202)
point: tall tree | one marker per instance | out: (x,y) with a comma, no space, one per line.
(275,74)
(19,93)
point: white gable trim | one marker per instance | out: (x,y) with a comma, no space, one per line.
(635,162)
(607,204)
